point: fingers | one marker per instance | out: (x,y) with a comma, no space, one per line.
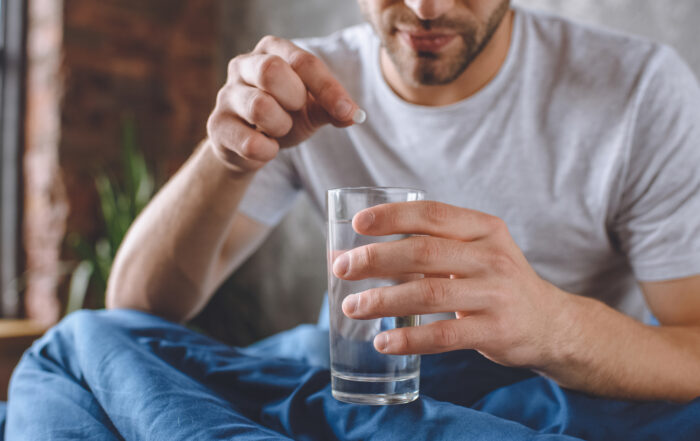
(238,144)
(436,337)
(274,76)
(282,92)
(315,75)
(260,110)
(423,296)
(420,254)
(426,217)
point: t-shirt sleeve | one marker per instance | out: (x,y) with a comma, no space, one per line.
(658,217)
(273,190)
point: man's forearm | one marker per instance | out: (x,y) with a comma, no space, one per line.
(166,260)
(604,352)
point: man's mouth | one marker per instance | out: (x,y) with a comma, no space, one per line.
(422,41)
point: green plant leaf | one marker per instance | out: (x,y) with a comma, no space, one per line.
(78,287)
(108,203)
(121,199)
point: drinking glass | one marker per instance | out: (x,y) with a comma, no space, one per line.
(359,373)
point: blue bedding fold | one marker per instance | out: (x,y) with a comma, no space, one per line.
(129,375)
(3,411)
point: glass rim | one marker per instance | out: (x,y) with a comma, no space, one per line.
(367,189)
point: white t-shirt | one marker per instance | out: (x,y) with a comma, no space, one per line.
(587,143)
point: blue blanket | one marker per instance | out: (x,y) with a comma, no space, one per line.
(129,375)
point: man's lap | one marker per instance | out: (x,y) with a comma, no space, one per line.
(114,374)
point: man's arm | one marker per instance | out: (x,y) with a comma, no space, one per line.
(611,354)
(512,316)
(177,252)
(190,237)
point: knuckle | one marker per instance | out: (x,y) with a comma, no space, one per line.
(266,41)
(425,251)
(371,301)
(260,106)
(496,224)
(216,124)
(270,68)
(394,219)
(501,263)
(248,146)
(446,337)
(302,60)
(252,146)
(435,212)
(368,256)
(234,67)
(433,292)
(401,341)
(222,97)
(284,127)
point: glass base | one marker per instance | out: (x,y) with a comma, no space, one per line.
(375,390)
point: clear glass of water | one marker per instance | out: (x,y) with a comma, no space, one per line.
(359,373)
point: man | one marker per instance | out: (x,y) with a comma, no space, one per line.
(561,161)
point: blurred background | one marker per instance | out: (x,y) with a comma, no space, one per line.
(101,101)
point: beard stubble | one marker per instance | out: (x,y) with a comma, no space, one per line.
(429,68)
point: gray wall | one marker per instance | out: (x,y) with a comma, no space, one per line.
(246,21)
(675,22)
(291,293)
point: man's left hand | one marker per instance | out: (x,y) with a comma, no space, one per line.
(472,267)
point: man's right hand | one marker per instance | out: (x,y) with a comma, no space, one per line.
(276,96)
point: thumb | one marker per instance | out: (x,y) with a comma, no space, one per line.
(312,117)
(318,116)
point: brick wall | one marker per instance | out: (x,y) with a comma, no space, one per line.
(46,204)
(156,60)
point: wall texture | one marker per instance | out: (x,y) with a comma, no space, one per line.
(45,204)
(292,291)
(246,21)
(90,64)
(674,23)
(156,61)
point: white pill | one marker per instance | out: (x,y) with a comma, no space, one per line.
(359,116)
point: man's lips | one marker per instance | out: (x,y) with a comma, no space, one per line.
(426,41)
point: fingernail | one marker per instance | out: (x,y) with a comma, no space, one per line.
(350,304)
(341,264)
(364,220)
(342,109)
(381,342)
(359,116)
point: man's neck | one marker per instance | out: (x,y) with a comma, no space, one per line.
(477,75)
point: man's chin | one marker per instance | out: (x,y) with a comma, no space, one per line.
(424,72)
(427,68)
(430,79)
